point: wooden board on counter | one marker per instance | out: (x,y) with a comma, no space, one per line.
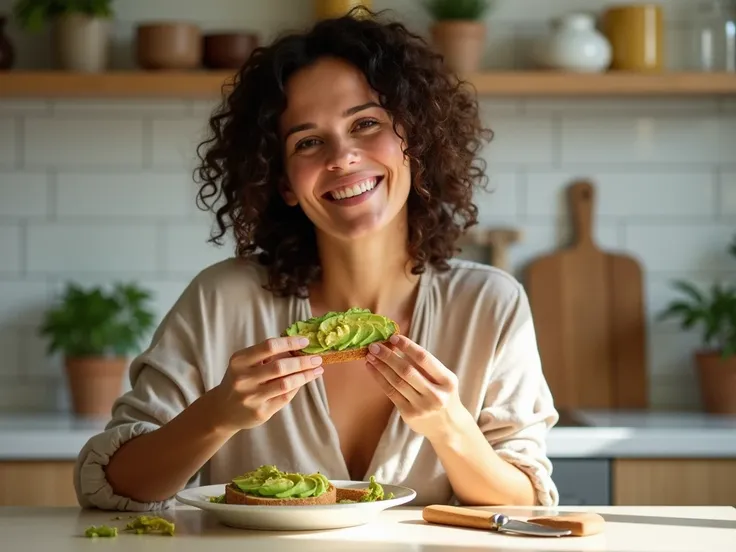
(589,315)
(202,84)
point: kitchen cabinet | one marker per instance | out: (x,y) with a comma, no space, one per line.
(674,481)
(582,481)
(42,483)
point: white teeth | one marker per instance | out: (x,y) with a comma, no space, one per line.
(354,190)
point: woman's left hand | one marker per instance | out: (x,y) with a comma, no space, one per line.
(422,388)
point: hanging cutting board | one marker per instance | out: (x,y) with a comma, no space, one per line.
(588,313)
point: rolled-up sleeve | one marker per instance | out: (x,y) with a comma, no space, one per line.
(518,410)
(165,379)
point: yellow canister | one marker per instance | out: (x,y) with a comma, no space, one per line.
(636,33)
(326,9)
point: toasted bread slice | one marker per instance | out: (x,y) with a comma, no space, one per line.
(346,355)
(350,494)
(233,495)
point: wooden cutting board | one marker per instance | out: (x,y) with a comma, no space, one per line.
(589,317)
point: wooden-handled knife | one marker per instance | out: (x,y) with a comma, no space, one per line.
(572,524)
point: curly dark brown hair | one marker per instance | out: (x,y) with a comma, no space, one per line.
(243,163)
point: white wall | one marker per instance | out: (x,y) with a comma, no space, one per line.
(96,191)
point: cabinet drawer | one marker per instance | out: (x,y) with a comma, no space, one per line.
(582,482)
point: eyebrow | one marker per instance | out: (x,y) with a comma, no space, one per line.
(346,113)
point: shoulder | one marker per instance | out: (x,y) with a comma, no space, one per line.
(480,281)
(231,281)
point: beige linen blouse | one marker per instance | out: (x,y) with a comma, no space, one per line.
(475,319)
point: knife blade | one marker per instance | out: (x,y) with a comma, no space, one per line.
(482,519)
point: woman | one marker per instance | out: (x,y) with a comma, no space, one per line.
(344,159)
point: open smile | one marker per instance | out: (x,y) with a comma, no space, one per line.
(355,194)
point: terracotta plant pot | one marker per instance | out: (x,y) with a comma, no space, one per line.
(82,42)
(173,46)
(461,44)
(95,383)
(717,378)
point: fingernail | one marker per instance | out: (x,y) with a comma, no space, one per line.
(394,339)
(303,342)
(373,348)
(318,371)
(316,361)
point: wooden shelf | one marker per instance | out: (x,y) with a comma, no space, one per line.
(208,84)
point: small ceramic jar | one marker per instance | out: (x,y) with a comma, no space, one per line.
(574,44)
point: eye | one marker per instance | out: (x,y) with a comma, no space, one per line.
(365,123)
(306,143)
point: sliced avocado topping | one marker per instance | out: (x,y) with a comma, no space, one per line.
(269,481)
(339,331)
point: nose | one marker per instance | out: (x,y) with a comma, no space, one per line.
(341,156)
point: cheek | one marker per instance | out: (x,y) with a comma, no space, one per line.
(388,149)
(302,173)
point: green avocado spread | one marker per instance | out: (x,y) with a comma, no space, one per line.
(269,481)
(338,331)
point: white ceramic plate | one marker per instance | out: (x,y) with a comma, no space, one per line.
(296,518)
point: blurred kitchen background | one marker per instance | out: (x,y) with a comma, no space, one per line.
(95,190)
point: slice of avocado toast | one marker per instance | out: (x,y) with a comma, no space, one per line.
(342,336)
(270,486)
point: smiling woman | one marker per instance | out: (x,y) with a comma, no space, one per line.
(344,162)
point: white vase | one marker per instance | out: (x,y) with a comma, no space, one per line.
(82,42)
(574,44)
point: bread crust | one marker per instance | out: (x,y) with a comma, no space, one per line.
(233,495)
(351,494)
(348,355)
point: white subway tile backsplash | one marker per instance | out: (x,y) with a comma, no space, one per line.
(728,193)
(10,357)
(499,202)
(9,148)
(727,142)
(175,141)
(133,194)
(23,194)
(640,139)
(671,353)
(83,142)
(627,194)
(611,106)
(681,247)
(24,107)
(11,254)
(187,250)
(671,393)
(522,141)
(90,247)
(35,395)
(22,303)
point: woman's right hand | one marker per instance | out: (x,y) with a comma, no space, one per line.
(260,380)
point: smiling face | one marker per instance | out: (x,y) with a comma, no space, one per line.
(344,162)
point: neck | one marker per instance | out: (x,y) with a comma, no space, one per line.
(355,273)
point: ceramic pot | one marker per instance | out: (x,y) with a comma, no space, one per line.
(460,43)
(574,44)
(7,52)
(173,45)
(717,379)
(637,36)
(95,383)
(228,50)
(82,42)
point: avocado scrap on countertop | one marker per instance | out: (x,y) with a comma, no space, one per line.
(139,525)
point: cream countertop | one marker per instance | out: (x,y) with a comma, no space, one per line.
(628,529)
(583,434)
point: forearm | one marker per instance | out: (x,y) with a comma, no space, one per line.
(155,466)
(477,474)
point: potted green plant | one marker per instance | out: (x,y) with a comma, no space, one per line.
(81,30)
(715,312)
(96,330)
(459,32)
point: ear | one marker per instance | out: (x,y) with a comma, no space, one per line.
(286,193)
